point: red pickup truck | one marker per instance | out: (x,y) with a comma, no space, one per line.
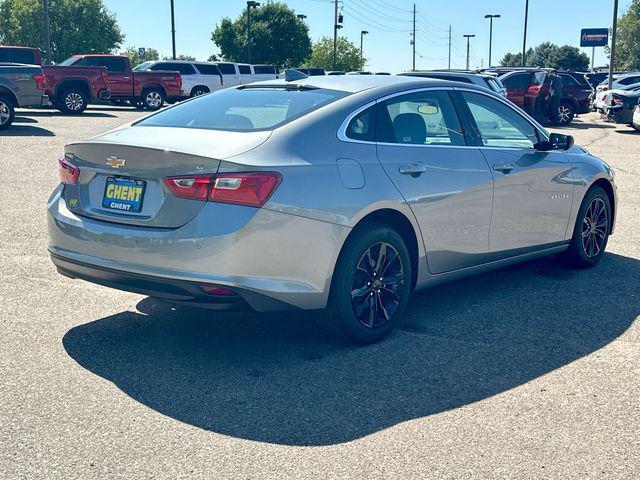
(70,89)
(147,89)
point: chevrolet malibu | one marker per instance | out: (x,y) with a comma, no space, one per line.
(339,194)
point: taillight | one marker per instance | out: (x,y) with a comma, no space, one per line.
(68,172)
(40,80)
(178,80)
(250,188)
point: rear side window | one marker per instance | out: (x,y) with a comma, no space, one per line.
(264,69)
(208,69)
(227,68)
(629,80)
(423,118)
(363,126)
(17,55)
(182,68)
(243,109)
(568,81)
(518,81)
(244,69)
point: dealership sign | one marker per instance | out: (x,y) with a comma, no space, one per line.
(594,37)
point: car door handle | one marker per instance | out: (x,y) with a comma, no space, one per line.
(503,167)
(413,169)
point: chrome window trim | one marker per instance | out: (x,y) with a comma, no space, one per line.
(342,130)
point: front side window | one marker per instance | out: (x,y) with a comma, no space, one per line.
(243,110)
(498,125)
(423,118)
(568,81)
(244,69)
(517,81)
(206,69)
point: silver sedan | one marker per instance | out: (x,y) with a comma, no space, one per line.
(339,193)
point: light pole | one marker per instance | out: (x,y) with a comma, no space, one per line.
(47,32)
(491,17)
(173,31)
(524,38)
(614,35)
(250,4)
(468,37)
(362,34)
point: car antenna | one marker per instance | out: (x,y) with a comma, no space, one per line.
(291,75)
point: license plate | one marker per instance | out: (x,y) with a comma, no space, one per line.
(124,194)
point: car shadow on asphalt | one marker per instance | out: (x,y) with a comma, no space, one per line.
(274,378)
(18,130)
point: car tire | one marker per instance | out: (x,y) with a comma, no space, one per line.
(591,231)
(152,99)
(73,101)
(566,112)
(199,90)
(363,306)
(7,111)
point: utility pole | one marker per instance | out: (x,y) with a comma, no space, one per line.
(468,37)
(449,47)
(524,39)
(47,33)
(362,34)
(413,41)
(173,31)
(335,34)
(491,17)
(250,4)
(614,35)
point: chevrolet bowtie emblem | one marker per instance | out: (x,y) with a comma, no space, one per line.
(115,162)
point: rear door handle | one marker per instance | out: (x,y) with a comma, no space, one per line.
(413,169)
(503,167)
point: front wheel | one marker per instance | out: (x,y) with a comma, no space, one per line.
(153,99)
(7,112)
(370,287)
(591,231)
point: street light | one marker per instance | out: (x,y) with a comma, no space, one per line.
(250,4)
(468,37)
(362,34)
(490,17)
(524,39)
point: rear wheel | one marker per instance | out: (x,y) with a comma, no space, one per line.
(370,287)
(153,99)
(199,90)
(591,231)
(7,112)
(72,101)
(566,112)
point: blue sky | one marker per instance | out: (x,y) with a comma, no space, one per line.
(146,23)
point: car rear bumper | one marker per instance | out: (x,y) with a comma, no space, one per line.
(256,252)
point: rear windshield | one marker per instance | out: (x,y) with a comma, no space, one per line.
(244,109)
(17,55)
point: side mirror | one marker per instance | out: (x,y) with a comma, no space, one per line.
(559,141)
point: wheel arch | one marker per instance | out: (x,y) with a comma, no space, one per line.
(4,91)
(154,86)
(399,222)
(73,82)
(204,87)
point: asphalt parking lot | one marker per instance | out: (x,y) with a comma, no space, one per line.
(531,371)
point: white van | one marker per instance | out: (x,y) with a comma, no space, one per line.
(198,78)
(241,73)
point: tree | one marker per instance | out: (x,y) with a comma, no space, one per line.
(213,58)
(628,42)
(347,55)
(132,53)
(278,36)
(188,58)
(76,26)
(549,55)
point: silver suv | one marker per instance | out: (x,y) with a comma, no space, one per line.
(485,80)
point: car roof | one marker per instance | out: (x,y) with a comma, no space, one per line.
(357,83)
(450,73)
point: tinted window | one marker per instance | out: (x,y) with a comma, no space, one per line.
(423,118)
(244,69)
(569,81)
(629,80)
(315,71)
(17,55)
(182,68)
(518,81)
(227,68)
(142,67)
(244,109)
(498,125)
(538,78)
(362,126)
(208,69)
(112,64)
(264,69)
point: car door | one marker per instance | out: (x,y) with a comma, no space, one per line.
(230,74)
(119,79)
(533,190)
(517,85)
(446,183)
